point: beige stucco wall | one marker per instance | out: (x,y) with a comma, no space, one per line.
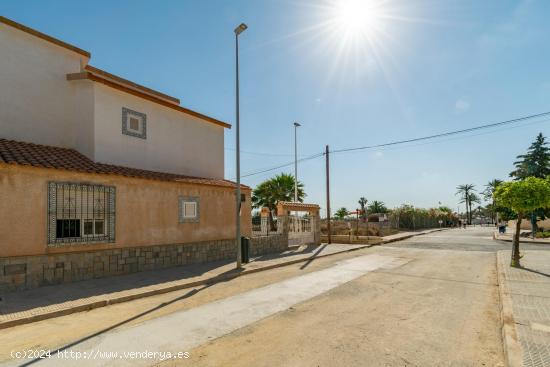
(176,142)
(146,211)
(37,103)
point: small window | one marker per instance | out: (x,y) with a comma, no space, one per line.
(99,228)
(67,228)
(188,209)
(93,228)
(88,228)
(134,123)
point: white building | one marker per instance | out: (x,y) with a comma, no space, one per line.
(51,95)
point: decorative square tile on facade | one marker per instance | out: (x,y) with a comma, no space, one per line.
(134,123)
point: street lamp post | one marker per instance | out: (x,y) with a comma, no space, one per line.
(241,28)
(296,125)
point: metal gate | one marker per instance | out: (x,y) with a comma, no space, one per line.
(300,230)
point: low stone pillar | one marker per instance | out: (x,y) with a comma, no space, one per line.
(264,221)
(316,228)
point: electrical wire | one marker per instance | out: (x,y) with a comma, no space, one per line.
(487,126)
(399,142)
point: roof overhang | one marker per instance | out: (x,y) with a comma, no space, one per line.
(43,36)
(142,92)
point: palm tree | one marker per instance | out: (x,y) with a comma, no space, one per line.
(490,188)
(378,207)
(270,192)
(362,202)
(464,191)
(473,198)
(341,213)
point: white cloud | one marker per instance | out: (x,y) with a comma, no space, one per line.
(379,154)
(462,106)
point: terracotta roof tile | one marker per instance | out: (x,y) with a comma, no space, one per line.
(29,154)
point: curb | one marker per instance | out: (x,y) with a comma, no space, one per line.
(498,238)
(511,345)
(213,280)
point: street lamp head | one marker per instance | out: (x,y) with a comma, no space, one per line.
(240,29)
(297,124)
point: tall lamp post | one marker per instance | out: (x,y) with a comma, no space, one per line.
(296,125)
(240,29)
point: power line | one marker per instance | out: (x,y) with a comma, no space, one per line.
(487,126)
(283,165)
(262,153)
(398,142)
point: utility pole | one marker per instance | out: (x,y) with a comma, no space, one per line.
(296,125)
(328,192)
(357,229)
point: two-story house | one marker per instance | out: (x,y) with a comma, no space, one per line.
(99,175)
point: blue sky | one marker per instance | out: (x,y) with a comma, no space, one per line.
(426,66)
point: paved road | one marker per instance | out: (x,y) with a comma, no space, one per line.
(470,239)
(397,305)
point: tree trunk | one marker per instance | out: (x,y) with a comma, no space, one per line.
(515,247)
(534,227)
(271,222)
(469,212)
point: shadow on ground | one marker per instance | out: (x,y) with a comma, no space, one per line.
(19,301)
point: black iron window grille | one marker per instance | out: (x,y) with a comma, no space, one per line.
(80,212)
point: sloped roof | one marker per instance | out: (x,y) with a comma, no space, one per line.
(43,36)
(128,83)
(97,75)
(45,156)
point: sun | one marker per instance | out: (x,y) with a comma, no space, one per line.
(358,17)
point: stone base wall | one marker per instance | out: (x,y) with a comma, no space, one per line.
(268,244)
(27,272)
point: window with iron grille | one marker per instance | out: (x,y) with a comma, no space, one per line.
(80,212)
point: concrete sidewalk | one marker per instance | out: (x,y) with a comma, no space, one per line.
(525,308)
(53,301)
(510,237)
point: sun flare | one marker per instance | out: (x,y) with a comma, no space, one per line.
(358,17)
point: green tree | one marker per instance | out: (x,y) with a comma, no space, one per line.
(270,192)
(362,202)
(465,192)
(341,213)
(490,188)
(523,197)
(534,163)
(377,207)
